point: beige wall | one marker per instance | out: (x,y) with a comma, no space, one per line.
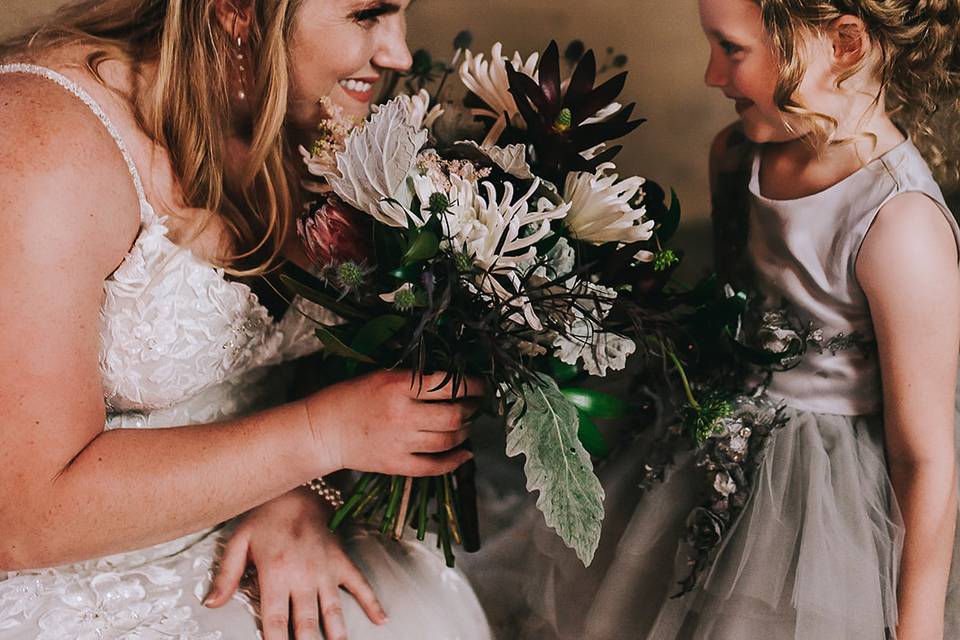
(667,55)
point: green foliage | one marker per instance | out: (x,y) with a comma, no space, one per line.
(425,245)
(334,346)
(543,426)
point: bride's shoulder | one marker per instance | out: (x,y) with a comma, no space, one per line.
(62,175)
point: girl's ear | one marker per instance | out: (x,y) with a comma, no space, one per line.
(235,16)
(851,42)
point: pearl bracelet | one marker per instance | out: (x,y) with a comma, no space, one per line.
(331,494)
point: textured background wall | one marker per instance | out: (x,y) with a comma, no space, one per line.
(667,55)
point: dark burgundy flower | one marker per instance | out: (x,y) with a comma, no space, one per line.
(556,120)
(334,233)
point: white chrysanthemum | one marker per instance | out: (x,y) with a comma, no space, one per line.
(507,230)
(583,339)
(372,170)
(499,235)
(488,80)
(600,209)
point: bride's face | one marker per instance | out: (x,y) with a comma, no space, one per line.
(340,49)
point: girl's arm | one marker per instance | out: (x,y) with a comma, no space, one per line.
(908,269)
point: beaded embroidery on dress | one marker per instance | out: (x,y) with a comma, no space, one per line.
(183,345)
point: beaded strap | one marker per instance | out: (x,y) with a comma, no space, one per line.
(146,210)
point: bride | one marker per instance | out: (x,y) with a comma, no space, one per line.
(145,178)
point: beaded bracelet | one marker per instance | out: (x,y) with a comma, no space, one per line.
(331,494)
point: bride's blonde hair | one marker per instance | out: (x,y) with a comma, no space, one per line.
(188,107)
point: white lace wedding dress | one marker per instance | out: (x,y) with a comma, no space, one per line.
(182,345)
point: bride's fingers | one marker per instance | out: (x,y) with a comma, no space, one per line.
(306,615)
(440,441)
(331,610)
(274,609)
(229,573)
(357,585)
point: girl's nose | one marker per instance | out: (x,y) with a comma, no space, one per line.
(716,73)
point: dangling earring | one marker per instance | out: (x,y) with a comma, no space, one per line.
(240,60)
(240,65)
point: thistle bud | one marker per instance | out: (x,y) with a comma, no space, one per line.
(439,203)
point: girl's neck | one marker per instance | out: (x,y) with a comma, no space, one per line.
(798,168)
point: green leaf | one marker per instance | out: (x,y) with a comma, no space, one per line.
(325,300)
(596,404)
(376,332)
(671,221)
(336,347)
(543,427)
(424,247)
(563,372)
(589,434)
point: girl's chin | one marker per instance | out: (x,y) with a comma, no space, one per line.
(764,133)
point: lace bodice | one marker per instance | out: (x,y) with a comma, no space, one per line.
(180,343)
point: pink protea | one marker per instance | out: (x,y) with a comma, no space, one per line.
(334,233)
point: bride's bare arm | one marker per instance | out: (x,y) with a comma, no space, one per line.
(69,490)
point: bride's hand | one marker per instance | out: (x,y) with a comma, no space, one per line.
(383,423)
(299,563)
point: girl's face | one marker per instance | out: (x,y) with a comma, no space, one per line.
(340,48)
(744,65)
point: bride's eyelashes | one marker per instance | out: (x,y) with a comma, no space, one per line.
(370,15)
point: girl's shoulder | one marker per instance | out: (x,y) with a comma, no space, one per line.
(730,156)
(729,152)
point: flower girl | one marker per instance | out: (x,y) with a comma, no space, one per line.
(838,519)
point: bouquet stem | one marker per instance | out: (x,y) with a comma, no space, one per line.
(392,503)
(404,507)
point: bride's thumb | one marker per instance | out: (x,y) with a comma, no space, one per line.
(228,575)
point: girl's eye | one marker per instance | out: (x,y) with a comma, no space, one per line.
(729,48)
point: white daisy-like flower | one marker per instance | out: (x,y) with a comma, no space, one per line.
(488,80)
(600,209)
(372,170)
(421,116)
(724,484)
(560,261)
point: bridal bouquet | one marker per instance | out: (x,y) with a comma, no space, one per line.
(491,236)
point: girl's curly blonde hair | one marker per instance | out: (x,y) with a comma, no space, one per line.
(919,66)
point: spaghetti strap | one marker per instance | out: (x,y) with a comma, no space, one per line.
(146,210)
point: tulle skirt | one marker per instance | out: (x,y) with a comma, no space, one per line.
(813,555)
